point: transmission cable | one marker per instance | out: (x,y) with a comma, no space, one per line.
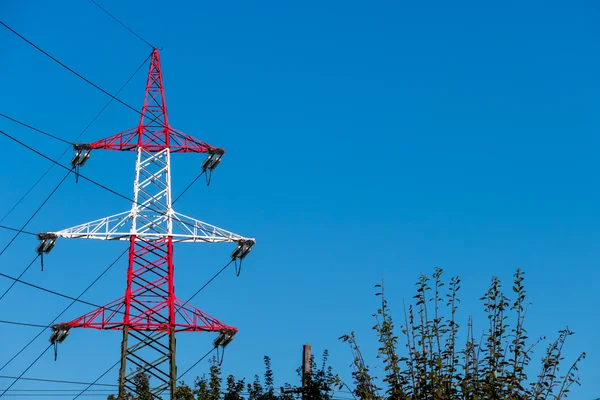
(74,300)
(23,227)
(188,186)
(97,379)
(68,68)
(26,369)
(19,277)
(56,381)
(59,315)
(88,81)
(71,70)
(63,166)
(196,363)
(22,324)
(35,129)
(203,286)
(49,290)
(122,24)
(34,214)
(78,136)
(17,230)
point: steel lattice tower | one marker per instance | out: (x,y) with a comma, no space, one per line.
(150,314)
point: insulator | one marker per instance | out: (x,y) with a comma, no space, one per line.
(80,158)
(49,245)
(84,158)
(225,337)
(216,162)
(75,159)
(243,248)
(59,333)
(235,253)
(206,164)
(247,248)
(212,161)
(47,242)
(40,247)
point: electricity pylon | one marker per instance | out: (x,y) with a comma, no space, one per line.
(147,312)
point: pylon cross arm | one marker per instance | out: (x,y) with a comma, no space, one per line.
(145,137)
(150,227)
(193,230)
(111,317)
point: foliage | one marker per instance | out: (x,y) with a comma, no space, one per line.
(493,367)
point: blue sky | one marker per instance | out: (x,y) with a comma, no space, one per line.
(364,139)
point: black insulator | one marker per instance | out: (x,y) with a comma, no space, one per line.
(84,158)
(207,162)
(75,159)
(40,247)
(215,163)
(225,337)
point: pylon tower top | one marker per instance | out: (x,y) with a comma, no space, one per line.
(154,133)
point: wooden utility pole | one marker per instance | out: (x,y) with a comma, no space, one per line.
(306,371)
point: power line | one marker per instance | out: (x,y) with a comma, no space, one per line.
(13,395)
(66,308)
(206,284)
(17,230)
(74,300)
(188,186)
(23,227)
(57,381)
(19,277)
(122,24)
(26,369)
(48,290)
(63,166)
(35,129)
(97,379)
(23,324)
(35,213)
(68,68)
(78,136)
(196,363)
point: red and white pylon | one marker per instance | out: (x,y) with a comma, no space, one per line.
(149,314)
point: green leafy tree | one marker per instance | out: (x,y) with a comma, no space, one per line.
(255,389)
(184,392)
(214,383)
(234,389)
(490,367)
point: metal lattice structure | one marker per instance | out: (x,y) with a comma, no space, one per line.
(149,314)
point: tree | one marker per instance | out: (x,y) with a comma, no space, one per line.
(492,367)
